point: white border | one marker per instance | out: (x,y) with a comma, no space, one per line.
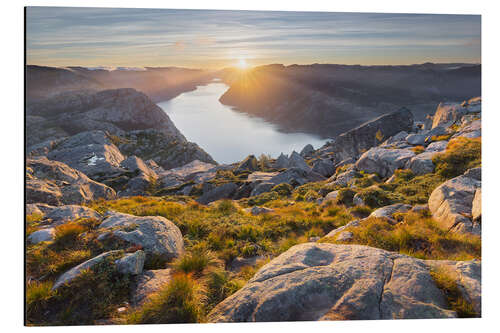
(12,159)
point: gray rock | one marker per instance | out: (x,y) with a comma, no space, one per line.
(281,162)
(239,262)
(42,235)
(225,191)
(55,183)
(260,177)
(420,208)
(437,146)
(38,209)
(296,176)
(332,196)
(148,283)
(320,281)
(137,165)
(256,210)
(307,151)
(422,163)
(297,161)
(343,179)
(324,167)
(476,206)
(387,212)
(451,202)
(401,136)
(447,114)
(155,234)
(262,188)
(416,139)
(469,135)
(90,152)
(364,137)
(345,162)
(384,161)
(131,263)
(335,232)
(63,214)
(70,275)
(357,200)
(248,164)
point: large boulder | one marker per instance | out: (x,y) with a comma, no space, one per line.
(451,203)
(422,163)
(307,151)
(155,234)
(324,167)
(296,176)
(91,152)
(55,183)
(297,161)
(384,161)
(63,214)
(281,162)
(42,235)
(224,191)
(320,281)
(343,179)
(250,163)
(448,114)
(371,134)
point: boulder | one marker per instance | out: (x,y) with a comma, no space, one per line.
(451,203)
(335,232)
(399,137)
(70,275)
(422,163)
(307,151)
(63,214)
(225,191)
(248,164)
(371,134)
(239,262)
(90,152)
(332,196)
(137,165)
(324,167)
(55,183)
(155,234)
(437,146)
(345,162)
(447,114)
(416,139)
(262,188)
(131,263)
(384,161)
(297,161)
(256,210)
(343,179)
(387,212)
(296,176)
(281,162)
(42,235)
(38,209)
(148,283)
(320,281)
(476,206)
(357,200)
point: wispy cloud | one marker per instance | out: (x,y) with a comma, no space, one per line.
(201,38)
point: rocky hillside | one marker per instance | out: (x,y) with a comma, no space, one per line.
(384,222)
(331,99)
(159,83)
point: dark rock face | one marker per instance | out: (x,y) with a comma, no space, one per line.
(225,191)
(248,164)
(55,183)
(296,176)
(371,134)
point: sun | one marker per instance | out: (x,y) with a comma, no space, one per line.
(242,64)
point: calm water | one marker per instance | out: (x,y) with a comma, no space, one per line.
(229,136)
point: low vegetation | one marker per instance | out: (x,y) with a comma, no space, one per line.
(460,155)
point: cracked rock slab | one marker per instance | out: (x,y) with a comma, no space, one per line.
(321,281)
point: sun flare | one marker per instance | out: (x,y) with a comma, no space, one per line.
(242,64)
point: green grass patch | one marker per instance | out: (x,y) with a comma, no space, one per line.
(460,155)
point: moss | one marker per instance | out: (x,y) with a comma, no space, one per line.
(460,155)
(446,280)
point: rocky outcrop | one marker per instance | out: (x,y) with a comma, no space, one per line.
(451,203)
(307,151)
(250,163)
(42,235)
(297,161)
(167,150)
(296,176)
(320,281)
(448,114)
(422,163)
(324,167)
(224,191)
(371,134)
(281,162)
(155,234)
(384,161)
(55,183)
(131,263)
(63,214)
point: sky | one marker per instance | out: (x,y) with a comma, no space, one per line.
(112,37)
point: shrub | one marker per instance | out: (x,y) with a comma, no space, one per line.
(180,301)
(345,196)
(262,199)
(194,262)
(360,211)
(460,155)
(38,295)
(376,197)
(411,189)
(220,286)
(67,234)
(226,207)
(283,189)
(446,280)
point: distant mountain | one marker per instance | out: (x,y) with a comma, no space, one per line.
(328,99)
(159,83)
